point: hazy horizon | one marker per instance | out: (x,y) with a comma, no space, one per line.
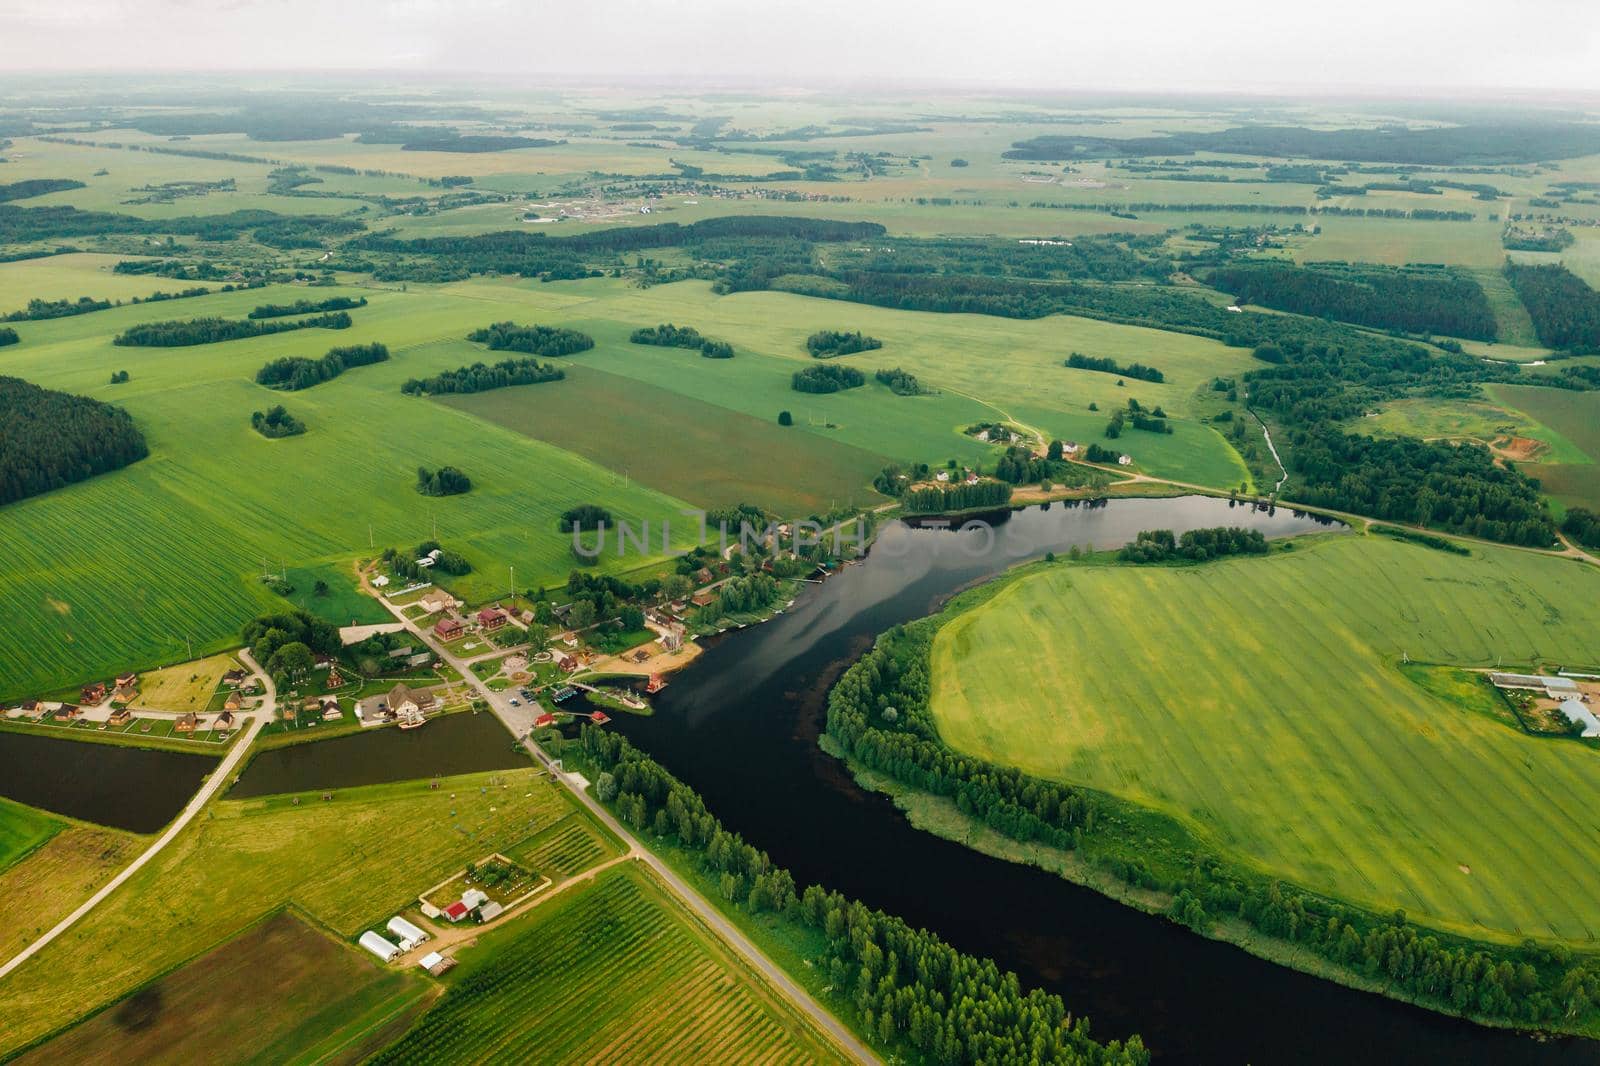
(1365,48)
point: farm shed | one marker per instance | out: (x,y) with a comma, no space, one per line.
(456,911)
(489,911)
(378,946)
(1557,688)
(1577,712)
(406,932)
(435,963)
(474,897)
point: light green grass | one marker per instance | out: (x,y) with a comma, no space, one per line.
(618,973)
(67,277)
(1258,701)
(22,829)
(1569,473)
(689,448)
(347,864)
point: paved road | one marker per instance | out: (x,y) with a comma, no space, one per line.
(219,777)
(519,720)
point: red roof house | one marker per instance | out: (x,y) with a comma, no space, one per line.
(492,618)
(599,718)
(456,911)
(448,628)
(544,720)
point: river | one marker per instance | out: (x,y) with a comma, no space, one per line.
(741,724)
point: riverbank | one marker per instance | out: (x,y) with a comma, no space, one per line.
(1152,860)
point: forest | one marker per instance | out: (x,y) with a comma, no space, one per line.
(962,496)
(534,340)
(480,377)
(22,190)
(179,334)
(1409,300)
(667,335)
(292,373)
(49,439)
(276,422)
(826,379)
(900,382)
(1564,309)
(1480,143)
(906,984)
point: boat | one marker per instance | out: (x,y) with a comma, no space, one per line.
(565,692)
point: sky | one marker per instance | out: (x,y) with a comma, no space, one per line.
(1347,46)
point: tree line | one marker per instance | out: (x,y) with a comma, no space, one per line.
(900,382)
(1137,371)
(43,310)
(907,987)
(823,379)
(547,341)
(667,335)
(53,439)
(178,334)
(292,373)
(306,307)
(480,377)
(878,712)
(940,498)
(1409,300)
(1195,545)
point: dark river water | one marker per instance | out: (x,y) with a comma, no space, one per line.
(138,789)
(463,743)
(741,725)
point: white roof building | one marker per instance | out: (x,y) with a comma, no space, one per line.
(378,946)
(1577,712)
(474,897)
(489,911)
(410,936)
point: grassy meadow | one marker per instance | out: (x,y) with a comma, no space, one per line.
(22,830)
(685,998)
(1259,701)
(324,1002)
(345,864)
(50,881)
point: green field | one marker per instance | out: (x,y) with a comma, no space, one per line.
(49,882)
(22,830)
(1569,473)
(346,864)
(1259,702)
(324,1001)
(688,448)
(612,971)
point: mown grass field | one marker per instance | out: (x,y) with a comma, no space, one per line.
(1569,474)
(50,881)
(283,991)
(186,686)
(613,971)
(22,830)
(1259,701)
(345,863)
(688,448)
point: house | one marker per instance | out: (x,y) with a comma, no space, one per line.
(223,721)
(599,718)
(474,897)
(448,628)
(430,559)
(408,935)
(702,576)
(187,724)
(330,709)
(91,694)
(312,704)
(492,618)
(378,946)
(1124,460)
(232,703)
(567,663)
(456,911)
(703,598)
(422,658)
(434,602)
(335,678)
(381,581)
(655,684)
(120,716)
(66,712)
(489,911)
(406,702)
(429,910)
(1070,448)
(235,677)
(544,721)
(672,639)
(322,662)
(128,680)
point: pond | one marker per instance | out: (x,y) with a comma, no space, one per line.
(741,726)
(137,789)
(460,743)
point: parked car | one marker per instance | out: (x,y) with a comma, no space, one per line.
(515,702)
